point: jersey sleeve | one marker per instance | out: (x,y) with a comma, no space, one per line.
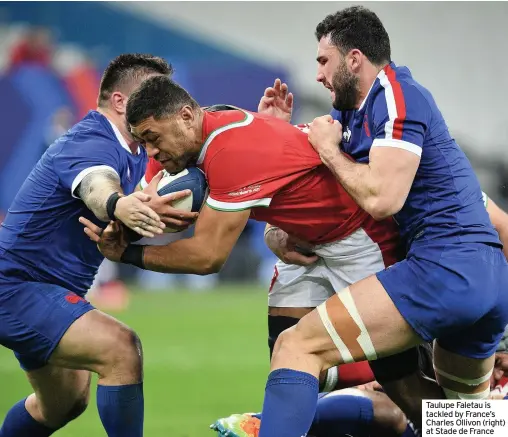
(152,169)
(235,188)
(78,159)
(485,199)
(401,115)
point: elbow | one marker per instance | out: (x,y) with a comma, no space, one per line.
(211,264)
(380,208)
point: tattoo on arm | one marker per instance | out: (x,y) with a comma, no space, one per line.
(95,189)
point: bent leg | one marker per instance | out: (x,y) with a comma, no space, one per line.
(360,322)
(101,344)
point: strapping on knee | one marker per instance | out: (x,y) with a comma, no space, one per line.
(469,382)
(363,340)
(452,394)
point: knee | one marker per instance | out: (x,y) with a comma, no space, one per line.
(388,417)
(78,407)
(123,352)
(288,342)
(57,416)
(295,343)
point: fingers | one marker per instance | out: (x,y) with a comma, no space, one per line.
(140,195)
(289,100)
(171,197)
(295,241)
(148,215)
(145,233)
(299,259)
(91,226)
(92,235)
(277,85)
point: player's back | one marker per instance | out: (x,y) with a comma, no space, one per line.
(273,169)
(41,239)
(445,201)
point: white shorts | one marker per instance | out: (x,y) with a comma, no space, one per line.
(341,264)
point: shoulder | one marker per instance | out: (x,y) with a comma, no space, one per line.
(396,89)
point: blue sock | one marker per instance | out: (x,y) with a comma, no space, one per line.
(411,431)
(290,403)
(19,423)
(121,409)
(343,414)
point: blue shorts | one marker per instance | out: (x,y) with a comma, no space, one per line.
(34,317)
(455,293)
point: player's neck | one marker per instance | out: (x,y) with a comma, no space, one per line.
(367,80)
(121,125)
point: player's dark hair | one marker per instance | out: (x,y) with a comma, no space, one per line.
(157,97)
(127,68)
(357,28)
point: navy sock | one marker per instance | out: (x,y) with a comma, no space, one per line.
(19,423)
(343,414)
(411,431)
(290,403)
(121,409)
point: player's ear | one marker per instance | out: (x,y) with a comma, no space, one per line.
(354,60)
(119,102)
(187,114)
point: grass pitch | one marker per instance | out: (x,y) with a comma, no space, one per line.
(206,357)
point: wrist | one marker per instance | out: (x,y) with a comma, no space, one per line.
(133,254)
(111,205)
(330,155)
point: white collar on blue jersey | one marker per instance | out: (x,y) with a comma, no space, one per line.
(370,89)
(120,138)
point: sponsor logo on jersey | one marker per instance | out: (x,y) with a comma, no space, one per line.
(346,135)
(245,191)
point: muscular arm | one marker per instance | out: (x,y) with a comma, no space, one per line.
(206,252)
(95,189)
(380,187)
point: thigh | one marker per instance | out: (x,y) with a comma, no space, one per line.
(358,323)
(34,317)
(299,287)
(90,342)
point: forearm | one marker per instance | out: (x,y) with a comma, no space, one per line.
(189,255)
(357,180)
(95,190)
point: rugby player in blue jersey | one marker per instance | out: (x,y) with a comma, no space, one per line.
(47,264)
(449,288)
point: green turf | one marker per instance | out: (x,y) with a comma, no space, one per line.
(205,357)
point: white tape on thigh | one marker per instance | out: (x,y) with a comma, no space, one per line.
(339,344)
(452,394)
(363,339)
(470,382)
(332,377)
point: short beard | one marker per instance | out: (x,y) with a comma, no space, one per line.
(346,88)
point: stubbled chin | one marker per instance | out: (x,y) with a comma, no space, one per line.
(332,95)
(172,168)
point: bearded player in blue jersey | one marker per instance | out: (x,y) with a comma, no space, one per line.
(47,264)
(451,286)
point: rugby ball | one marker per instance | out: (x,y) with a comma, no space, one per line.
(192,179)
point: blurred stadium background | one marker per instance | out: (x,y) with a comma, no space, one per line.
(205,338)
